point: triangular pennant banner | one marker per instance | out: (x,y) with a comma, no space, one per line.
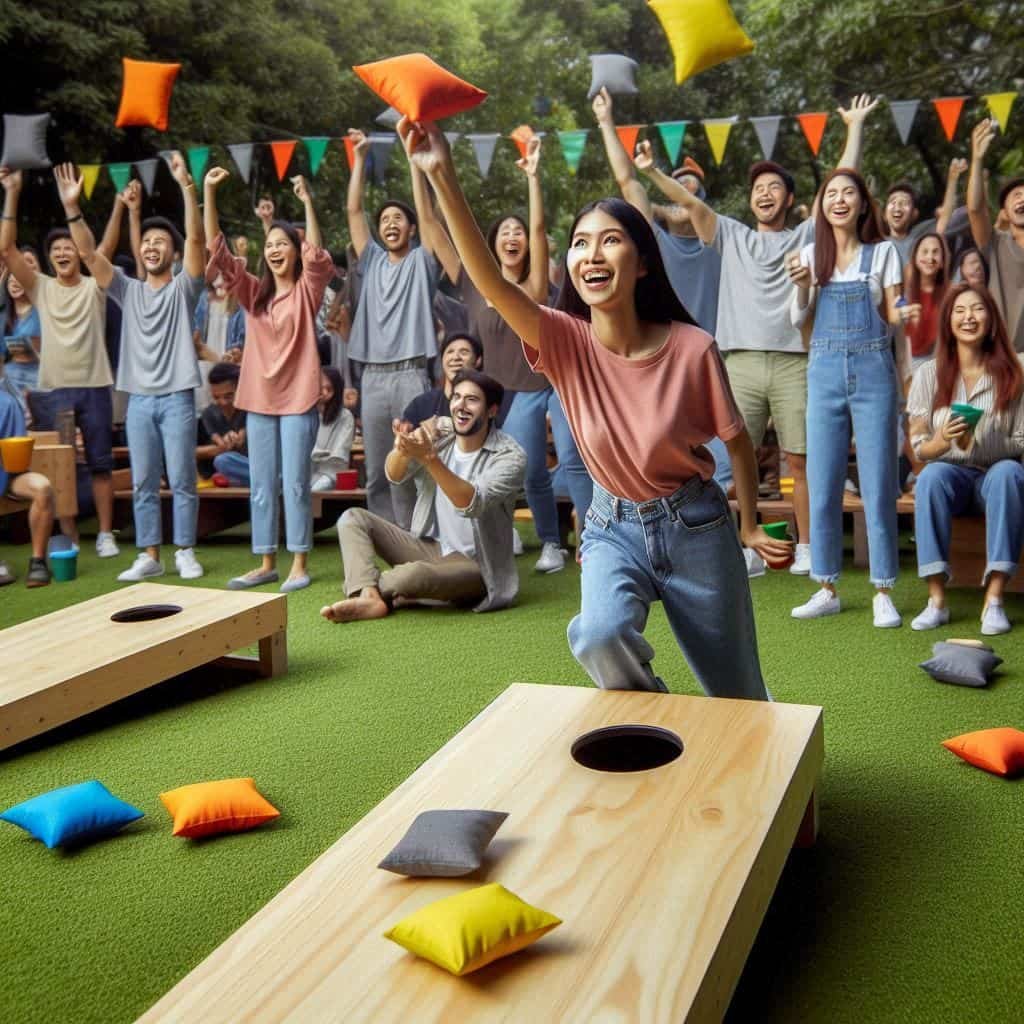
(572,147)
(999,104)
(903,113)
(241,153)
(948,108)
(388,118)
(198,158)
(627,134)
(120,175)
(282,156)
(672,134)
(350,151)
(165,155)
(767,129)
(813,126)
(380,155)
(316,147)
(147,172)
(717,129)
(452,137)
(90,175)
(483,148)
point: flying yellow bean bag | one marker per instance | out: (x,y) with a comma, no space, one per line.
(702,33)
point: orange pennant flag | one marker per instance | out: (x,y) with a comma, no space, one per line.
(521,137)
(948,108)
(627,134)
(282,156)
(350,151)
(813,126)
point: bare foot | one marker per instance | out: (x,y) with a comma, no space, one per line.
(355,609)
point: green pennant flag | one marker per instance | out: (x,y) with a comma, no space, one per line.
(572,147)
(316,147)
(120,175)
(672,133)
(198,158)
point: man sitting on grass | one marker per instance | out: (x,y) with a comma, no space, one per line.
(467,474)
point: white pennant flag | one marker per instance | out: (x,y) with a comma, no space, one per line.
(903,113)
(483,147)
(147,172)
(241,153)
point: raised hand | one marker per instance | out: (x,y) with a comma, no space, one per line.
(10,180)
(215,177)
(301,188)
(981,138)
(643,161)
(529,163)
(360,143)
(424,145)
(132,196)
(859,108)
(179,170)
(602,107)
(957,167)
(69,184)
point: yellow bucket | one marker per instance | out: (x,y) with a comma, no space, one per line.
(16,453)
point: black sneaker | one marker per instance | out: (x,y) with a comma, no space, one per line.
(38,573)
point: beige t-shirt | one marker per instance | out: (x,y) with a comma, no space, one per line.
(1006,282)
(73,350)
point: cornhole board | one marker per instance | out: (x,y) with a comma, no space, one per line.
(661,877)
(61,666)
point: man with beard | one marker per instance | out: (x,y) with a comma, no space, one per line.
(1003,249)
(467,475)
(158,368)
(458,351)
(393,335)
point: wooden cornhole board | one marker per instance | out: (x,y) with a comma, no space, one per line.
(661,877)
(61,666)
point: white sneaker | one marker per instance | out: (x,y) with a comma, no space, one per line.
(801,560)
(106,546)
(143,568)
(824,602)
(517,542)
(188,567)
(931,618)
(886,616)
(552,559)
(994,620)
(755,563)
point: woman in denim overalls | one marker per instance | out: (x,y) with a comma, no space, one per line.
(852,375)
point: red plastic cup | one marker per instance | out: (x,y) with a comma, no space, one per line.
(347,480)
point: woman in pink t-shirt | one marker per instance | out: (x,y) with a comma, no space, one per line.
(643,389)
(280,381)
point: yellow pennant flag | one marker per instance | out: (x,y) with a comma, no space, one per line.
(999,104)
(90,175)
(717,129)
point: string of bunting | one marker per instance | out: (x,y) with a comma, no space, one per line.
(813,125)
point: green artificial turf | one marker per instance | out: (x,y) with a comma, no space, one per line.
(907,909)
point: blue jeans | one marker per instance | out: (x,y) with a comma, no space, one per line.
(161,432)
(684,551)
(945,490)
(235,466)
(280,448)
(527,423)
(24,377)
(723,464)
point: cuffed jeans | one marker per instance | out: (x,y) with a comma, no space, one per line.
(945,490)
(684,551)
(162,432)
(527,423)
(235,466)
(280,449)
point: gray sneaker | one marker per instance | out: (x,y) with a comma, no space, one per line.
(38,573)
(552,559)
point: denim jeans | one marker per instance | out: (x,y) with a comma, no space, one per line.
(945,490)
(527,423)
(280,449)
(161,432)
(235,466)
(24,377)
(684,551)
(723,464)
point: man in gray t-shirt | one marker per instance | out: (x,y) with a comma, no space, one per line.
(158,369)
(393,334)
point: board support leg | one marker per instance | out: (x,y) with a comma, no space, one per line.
(807,834)
(274,654)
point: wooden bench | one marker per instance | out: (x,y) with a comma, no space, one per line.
(661,877)
(61,666)
(57,463)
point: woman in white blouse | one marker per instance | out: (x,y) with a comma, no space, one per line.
(969,471)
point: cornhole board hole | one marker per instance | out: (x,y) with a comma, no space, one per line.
(61,666)
(662,877)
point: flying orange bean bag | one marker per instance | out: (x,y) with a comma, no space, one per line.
(419,88)
(146,93)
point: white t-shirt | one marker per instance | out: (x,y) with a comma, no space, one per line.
(886,270)
(455,531)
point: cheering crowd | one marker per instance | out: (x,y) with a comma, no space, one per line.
(658,354)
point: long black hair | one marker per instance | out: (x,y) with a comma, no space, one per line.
(654,298)
(333,407)
(266,290)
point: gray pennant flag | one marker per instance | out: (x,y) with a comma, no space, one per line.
(241,153)
(166,154)
(388,118)
(767,129)
(452,137)
(380,155)
(483,146)
(903,113)
(147,172)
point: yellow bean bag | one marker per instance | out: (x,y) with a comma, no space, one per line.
(702,33)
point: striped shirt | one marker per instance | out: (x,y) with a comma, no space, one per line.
(997,435)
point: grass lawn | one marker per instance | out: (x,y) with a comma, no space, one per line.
(908,909)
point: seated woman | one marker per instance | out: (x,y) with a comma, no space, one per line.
(969,471)
(335,434)
(21,334)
